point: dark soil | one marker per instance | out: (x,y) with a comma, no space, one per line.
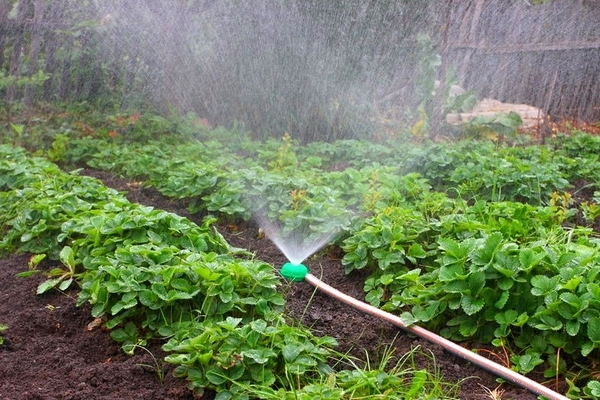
(52,352)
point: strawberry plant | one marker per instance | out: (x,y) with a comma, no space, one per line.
(476,240)
(228,354)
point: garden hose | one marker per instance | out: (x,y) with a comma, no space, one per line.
(299,272)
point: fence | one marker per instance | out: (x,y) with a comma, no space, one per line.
(547,56)
(544,55)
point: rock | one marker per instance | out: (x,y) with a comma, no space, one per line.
(532,117)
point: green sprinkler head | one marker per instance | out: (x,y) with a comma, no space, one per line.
(294,272)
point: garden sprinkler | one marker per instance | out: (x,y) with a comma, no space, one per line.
(294,272)
(299,272)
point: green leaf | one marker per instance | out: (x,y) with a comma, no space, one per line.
(230,323)
(119,335)
(546,322)
(67,257)
(572,327)
(416,251)
(451,272)
(453,248)
(485,255)
(417,385)
(424,314)
(290,352)
(593,389)
(502,300)
(471,305)
(410,276)
(507,317)
(476,282)
(161,291)
(260,356)
(529,259)
(593,330)
(64,285)
(216,375)
(26,274)
(47,285)
(128,300)
(527,362)
(543,285)
(149,299)
(386,279)
(374,297)
(408,319)
(259,326)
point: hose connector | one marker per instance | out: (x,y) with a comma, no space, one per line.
(294,272)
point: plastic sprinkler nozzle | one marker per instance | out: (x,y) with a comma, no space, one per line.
(294,272)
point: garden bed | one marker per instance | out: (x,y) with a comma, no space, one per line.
(53,350)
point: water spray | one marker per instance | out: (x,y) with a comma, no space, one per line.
(299,272)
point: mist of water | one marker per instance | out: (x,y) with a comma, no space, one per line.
(297,245)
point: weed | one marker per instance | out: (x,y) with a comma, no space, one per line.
(2,329)
(157,365)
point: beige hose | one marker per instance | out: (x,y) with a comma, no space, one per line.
(468,355)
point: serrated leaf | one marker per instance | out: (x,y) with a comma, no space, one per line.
(507,317)
(587,348)
(261,356)
(529,259)
(290,352)
(451,272)
(543,285)
(408,319)
(181,284)
(501,302)
(373,297)
(593,330)
(386,279)
(453,248)
(468,328)
(505,283)
(119,335)
(224,395)
(456,287)
(527,362)
(149,299)
(424,314)
(572,327)
(522,319)
(410,276)
(216,376)
(476,282)
(230,323)
(485,254)
(471,305)
(161,291)
(416,251)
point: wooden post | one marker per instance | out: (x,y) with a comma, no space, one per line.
(17,45)
(4,31)
(37,34)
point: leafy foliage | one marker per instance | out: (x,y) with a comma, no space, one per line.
(475,240)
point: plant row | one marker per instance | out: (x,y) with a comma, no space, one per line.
(152,275)
(476,240)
